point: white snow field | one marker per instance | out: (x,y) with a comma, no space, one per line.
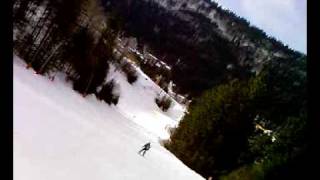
(59,135)
(137,103)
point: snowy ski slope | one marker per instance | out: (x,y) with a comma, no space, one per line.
(59,135)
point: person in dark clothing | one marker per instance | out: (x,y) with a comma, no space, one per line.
(145,148)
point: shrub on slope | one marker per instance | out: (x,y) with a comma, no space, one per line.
(108,93)
(163,102)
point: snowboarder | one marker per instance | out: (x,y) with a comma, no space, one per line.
(145,148)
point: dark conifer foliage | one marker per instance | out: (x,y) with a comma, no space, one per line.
(130,72)
(217,138)
(108,94)
(72,36)
(163,102)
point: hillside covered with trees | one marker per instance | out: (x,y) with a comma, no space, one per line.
(248,116)
(253,129)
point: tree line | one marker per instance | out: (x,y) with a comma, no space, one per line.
(73,36)
(218,137)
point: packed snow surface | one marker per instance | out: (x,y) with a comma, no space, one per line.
(59,135)
(137,103)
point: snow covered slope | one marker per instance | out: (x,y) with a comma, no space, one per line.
(59,135)
(137,102)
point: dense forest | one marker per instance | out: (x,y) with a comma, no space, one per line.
(74,37)
(253,129)
(194,45)
(241,124)
(176,41)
